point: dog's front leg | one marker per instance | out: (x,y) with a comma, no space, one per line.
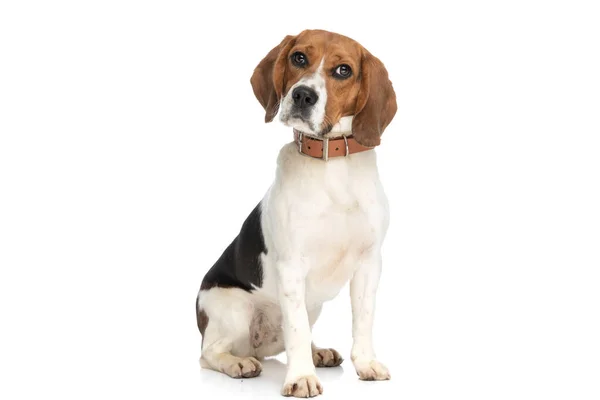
(301,380)
(363,288)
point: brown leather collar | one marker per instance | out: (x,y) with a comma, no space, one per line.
(325,148)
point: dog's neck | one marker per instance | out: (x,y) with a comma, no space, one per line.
(342,128)
(337,143)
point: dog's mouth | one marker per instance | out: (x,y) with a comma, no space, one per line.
(301,122)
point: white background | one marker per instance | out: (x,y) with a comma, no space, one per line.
(132,148)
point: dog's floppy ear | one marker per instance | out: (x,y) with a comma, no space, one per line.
(376,102)
(268,77)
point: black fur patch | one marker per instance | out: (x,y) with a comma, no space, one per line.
(239,265)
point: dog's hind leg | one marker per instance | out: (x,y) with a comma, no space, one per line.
(226,338)
(217,356)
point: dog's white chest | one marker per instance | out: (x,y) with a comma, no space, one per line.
(336,251)
(328,216)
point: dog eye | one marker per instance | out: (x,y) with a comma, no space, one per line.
(342,71)
(299,59)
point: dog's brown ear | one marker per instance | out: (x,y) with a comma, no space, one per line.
(376,102)
(268,77)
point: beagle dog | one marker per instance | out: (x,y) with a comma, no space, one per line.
(320,224)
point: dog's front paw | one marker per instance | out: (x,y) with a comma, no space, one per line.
(326,358)
(303,386)
(371,370)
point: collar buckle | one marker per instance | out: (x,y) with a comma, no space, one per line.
(324,140)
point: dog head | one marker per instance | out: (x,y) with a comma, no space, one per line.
(317,78)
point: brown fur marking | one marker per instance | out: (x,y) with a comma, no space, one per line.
(368,94)
(202,319)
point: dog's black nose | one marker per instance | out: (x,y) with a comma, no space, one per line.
(304,97)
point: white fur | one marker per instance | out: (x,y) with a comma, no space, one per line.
(323,225)
(342,127)
(316,82)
